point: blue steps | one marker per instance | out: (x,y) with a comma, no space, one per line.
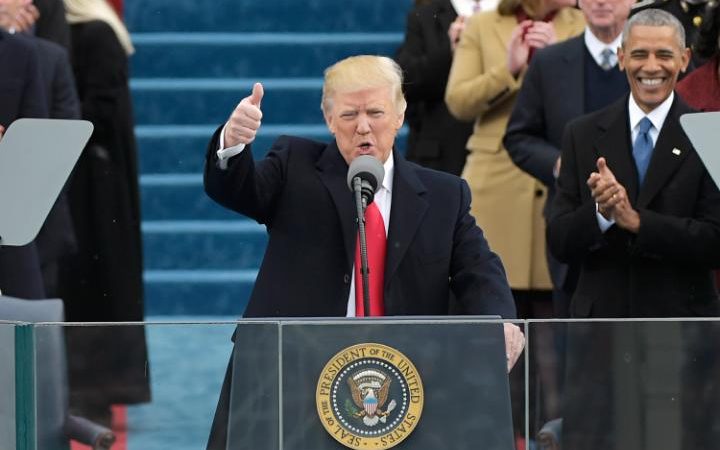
(193,63)
(181,148)
(267,16)
(237,244)
(225,55)
(211,100)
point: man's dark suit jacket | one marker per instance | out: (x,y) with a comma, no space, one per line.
(21,95)
(57,235)
(436,140)
(552,94)
(299,192)
(664,270)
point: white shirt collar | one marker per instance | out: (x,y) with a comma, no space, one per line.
(595,46)
(389,167)
(465,7)
(657,116)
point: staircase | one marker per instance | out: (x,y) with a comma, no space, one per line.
(194,61)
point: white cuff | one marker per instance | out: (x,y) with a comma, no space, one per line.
(603,223)
(224,154)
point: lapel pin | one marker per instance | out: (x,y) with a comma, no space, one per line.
(676,151)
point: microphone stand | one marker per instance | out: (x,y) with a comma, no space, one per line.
(361,204)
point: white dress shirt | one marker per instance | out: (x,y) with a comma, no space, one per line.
(467,7)
(657,116)
(383,200)
(595,46)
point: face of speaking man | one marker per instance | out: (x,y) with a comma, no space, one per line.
(652,58)
(364,122)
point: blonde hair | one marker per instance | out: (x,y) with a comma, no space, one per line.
(532,7)
(79,11)
(363,72)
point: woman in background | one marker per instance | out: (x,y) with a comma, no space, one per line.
(487,70)
(486,73)
(436,139)
(701,88)
(103,281)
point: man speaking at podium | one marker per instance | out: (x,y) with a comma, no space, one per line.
(299,191)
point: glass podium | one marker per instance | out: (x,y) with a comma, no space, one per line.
(304,384)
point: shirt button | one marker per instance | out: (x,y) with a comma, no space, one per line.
(346,278)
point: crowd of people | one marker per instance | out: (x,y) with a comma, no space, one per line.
(68,59)
(571,189)
(582,232)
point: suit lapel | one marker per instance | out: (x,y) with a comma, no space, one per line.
(407,211)
(614,145)
(332,170)
(670,151)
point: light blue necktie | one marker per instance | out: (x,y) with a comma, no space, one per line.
(643,148)
(606,63)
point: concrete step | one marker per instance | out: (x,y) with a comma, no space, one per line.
(248,55)
(179,197)
(203,245)
(197,292)
(166,149)
(165,101)
(267,15)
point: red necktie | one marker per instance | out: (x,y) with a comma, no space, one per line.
(375,236)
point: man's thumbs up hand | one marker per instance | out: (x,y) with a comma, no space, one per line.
(244,121)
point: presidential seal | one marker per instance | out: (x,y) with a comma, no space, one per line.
(369,396)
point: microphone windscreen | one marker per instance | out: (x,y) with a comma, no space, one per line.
(369,169)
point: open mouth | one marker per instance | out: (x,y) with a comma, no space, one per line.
(365,147)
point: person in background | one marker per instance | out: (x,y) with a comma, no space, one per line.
(56,238)
(488,68)
(102,282)
(701,88)
(436,139)
(563,82)
(637,211)
(21,95)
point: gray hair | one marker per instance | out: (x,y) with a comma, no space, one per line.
(653,17)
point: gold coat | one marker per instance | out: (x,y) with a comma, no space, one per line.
(507,203)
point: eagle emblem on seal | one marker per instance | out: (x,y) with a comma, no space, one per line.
(369,389)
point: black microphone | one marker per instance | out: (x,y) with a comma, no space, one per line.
(370,171)
(364,178)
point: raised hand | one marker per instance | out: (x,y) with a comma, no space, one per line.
(611,198)
(242,126)
(518,50)
(540,34)
(455,31)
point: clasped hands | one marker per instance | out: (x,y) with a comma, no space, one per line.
(611,198)
(526,35)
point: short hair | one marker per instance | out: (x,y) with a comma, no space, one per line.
(363,72)
(653,17)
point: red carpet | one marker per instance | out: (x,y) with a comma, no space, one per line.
(119,427)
